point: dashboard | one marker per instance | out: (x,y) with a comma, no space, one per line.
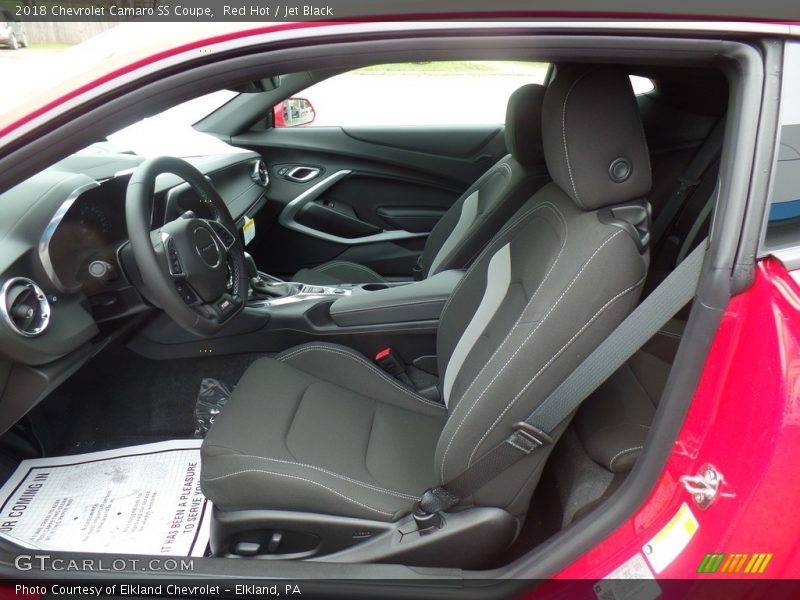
(67,278)
(90,226)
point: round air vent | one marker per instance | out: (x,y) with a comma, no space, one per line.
(260,174)
(24,306)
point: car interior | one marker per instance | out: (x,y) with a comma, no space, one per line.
(410,295)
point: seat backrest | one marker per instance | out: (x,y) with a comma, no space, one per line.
(552,284)
(484,208)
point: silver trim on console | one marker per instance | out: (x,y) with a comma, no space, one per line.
(290,211)
(44,306)
(306,292)
(47,235)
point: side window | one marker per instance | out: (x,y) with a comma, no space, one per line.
(783,228)
(411,94)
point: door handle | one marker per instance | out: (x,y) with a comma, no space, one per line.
(302,174)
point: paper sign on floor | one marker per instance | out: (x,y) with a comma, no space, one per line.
(136,500)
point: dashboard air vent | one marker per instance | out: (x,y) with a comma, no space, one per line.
(260,174)
(24,307)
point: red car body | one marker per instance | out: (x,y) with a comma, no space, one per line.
(744,421)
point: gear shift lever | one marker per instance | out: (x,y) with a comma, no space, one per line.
(262,287)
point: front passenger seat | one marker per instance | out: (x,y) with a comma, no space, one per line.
(480,212)
(318,452)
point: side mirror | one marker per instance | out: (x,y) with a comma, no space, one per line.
(293,112)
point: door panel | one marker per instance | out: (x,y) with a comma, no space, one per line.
(451,141)
(370,195)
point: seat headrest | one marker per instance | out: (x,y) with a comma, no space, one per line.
(594,143)
(524,124)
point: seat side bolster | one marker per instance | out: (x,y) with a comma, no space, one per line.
(353,371)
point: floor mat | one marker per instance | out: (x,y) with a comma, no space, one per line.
(121,399)
(135,500)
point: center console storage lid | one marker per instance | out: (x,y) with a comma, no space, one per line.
(418,301)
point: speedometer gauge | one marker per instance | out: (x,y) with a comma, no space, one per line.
(93,222)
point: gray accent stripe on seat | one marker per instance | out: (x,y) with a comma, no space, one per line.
(469,212)
(498,279)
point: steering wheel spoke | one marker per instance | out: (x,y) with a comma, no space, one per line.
(225,236)
(187,293)
(175,265)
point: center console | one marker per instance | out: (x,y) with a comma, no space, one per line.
(281,314)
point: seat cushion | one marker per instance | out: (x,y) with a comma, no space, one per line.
(614,421)
(320,429)
(336,272)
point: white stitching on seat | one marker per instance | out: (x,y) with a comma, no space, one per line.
(493,207)
(364,363)
(549,362)
(516,323)
(508,227)
(333,474)
(527,338)
(618,454)
(530,301)
(564,137)
(300,479)
(667,333)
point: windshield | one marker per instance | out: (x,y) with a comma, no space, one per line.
(171,133)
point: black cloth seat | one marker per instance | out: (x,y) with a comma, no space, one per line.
(321,430)
(320,427)
(614,422)
(480,212)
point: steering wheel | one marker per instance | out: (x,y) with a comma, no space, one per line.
(193,268)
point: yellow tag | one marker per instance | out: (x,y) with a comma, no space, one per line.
(668,543)
(249,230)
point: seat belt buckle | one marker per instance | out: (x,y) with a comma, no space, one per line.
(528,438)
(387,360)
(429,508)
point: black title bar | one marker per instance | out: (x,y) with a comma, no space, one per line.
(348,10)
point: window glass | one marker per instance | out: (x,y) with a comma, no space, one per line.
(642,85)
(417,93)
(423,93)
(784,210)
(170,132)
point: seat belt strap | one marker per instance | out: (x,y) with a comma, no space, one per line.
(690,179)
(643,323)
(701,219)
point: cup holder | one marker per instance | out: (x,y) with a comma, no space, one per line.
(374,287)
